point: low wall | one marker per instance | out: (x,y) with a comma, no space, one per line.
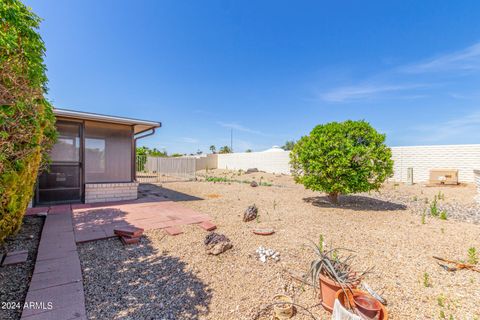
(108,192)
(465,158)
(276,162)
(209,161)
(477,182)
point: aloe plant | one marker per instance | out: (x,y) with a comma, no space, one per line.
(332,265)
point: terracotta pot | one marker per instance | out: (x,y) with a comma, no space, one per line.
(367,305)
(328,290)
(364,303)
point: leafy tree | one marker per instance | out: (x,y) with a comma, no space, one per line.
(176,155)
(342,158)
(225,149)
(213,149)
(145,151)
(157,153)
(288,145)
(248,150)
(27,130)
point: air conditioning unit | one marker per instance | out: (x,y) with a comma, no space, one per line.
(443,176)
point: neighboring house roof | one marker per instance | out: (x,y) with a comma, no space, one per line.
(139,125)
(274,149)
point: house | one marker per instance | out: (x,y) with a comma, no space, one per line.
(93,159)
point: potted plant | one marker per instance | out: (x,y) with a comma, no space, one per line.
(332,273)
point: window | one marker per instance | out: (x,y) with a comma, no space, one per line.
(67,147)
(108,152)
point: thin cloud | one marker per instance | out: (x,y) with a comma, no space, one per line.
(457,63)
(467,59)
(464,126)
(364,91)
(239,127)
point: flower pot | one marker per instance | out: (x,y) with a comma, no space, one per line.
(367,305)
(328,290)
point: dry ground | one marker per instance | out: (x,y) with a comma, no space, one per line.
(15,279)
(385,234)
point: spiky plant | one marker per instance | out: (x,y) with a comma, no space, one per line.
(337,268)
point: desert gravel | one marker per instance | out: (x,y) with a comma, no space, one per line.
(15,279)
(173,278)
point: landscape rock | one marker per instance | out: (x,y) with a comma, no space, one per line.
(250,213)
(217,243)
(217,248)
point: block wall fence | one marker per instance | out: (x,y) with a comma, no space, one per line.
(465,158)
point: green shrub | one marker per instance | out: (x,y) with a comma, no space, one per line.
(342,158)
(26,118)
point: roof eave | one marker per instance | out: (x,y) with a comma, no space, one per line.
(106,118)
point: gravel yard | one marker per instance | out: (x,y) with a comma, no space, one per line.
(15,279)
(173,278)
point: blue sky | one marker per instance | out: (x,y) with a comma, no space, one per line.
(269,70)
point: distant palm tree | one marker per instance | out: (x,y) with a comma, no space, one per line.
(213,149)
(225,149)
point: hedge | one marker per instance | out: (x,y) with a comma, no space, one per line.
(27,129)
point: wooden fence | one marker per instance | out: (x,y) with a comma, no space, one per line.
(158,169)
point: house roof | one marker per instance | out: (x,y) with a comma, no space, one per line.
(139,125)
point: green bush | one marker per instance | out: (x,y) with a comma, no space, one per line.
(342,158)
(27,129)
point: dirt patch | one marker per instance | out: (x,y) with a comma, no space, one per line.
(213,196)
(15,279)
(385,232)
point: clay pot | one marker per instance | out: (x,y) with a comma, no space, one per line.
(328,290)
(367,305)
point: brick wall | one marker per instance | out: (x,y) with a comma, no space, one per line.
(465,158)
(276,162)
(107,192)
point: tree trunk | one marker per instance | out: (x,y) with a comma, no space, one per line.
(333,197)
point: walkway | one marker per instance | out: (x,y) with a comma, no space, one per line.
(56,288)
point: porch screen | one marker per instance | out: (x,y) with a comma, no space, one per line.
(108,152)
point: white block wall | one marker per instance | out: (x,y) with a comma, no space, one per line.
(276,162)
(108,192)
(465,158)
(477,182)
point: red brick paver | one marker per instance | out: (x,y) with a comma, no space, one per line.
(173,231)
(15,257)
(207,225)
(100,220)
